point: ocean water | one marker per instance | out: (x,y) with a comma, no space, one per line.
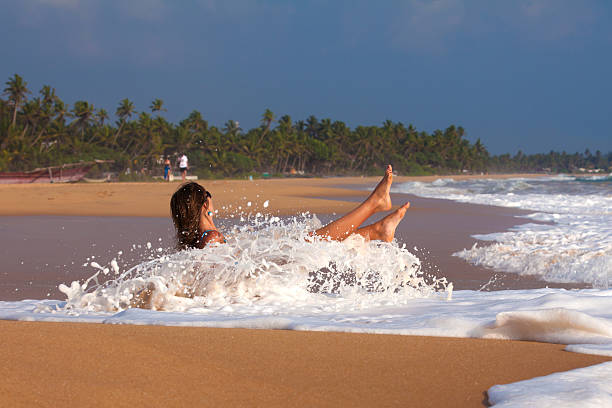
(575,244)
(272,275)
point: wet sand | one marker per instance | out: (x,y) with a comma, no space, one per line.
(41,251)
(53,364)
(48,364)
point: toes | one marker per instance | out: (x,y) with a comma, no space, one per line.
(402,210)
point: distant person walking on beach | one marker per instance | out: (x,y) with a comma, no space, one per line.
(183,166)
(167,169)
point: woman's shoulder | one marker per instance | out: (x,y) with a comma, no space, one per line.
(212,236)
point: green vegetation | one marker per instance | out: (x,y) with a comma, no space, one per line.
(552,162)
(41,130)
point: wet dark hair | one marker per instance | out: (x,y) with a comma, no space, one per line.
(186,209)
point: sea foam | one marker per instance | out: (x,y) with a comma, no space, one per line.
(268,261)
(273,275)
(573,245)
(583,387)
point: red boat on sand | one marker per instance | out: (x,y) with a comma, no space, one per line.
(66,173)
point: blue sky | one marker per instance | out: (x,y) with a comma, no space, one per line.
(525,74)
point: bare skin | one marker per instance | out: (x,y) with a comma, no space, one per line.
(207,224)
(340,229)
(379,200)
(384,230)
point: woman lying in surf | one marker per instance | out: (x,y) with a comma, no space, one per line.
(192,213)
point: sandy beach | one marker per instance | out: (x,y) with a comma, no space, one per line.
(110,366)
(68,223)
(47,364)
(285,196)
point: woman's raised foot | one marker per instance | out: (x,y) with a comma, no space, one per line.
(389,223)
(380,197)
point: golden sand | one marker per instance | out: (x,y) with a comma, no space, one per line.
(285,196)
(53,364)
(71,364)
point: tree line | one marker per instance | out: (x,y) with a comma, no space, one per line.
(39,130)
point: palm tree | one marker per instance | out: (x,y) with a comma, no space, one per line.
(285,124)
(148,142)
(312,126)
(125,110)
(61,112)
(36,117)
(48,95)
(16,89)
(55,133)
(162,128)
(266,122)
(300,125)
(232,128)
(83,112)
(195,122)
(250,146)
(157,106)
(325,129)
(183,139)
(341,140)
(101,116)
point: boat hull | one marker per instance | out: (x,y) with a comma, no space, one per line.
(58,175)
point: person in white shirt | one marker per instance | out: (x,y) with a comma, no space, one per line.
(183,165)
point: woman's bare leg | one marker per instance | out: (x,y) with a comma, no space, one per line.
(379,200)
(384,230)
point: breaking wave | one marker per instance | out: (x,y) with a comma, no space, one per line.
(266,261)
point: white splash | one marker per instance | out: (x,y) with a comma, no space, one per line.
(267,261)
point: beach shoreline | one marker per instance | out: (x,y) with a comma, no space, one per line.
(69,225)
(47,364)
(284,196)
